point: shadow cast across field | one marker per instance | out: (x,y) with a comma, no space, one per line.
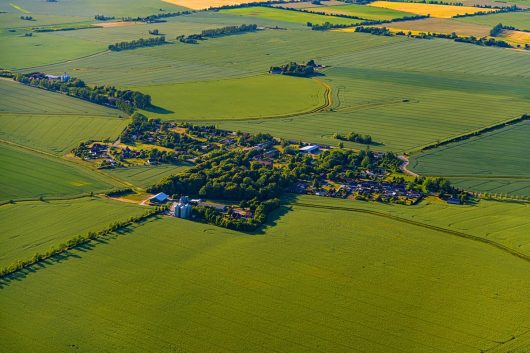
(158,110)
(71,254)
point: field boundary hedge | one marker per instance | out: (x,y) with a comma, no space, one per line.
(423,225)
(474,133)
(75,242)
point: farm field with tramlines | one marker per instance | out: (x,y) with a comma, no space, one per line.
(293,176)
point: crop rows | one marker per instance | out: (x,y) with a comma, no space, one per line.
(274,293)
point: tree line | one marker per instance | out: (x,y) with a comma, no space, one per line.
(157,18)
(512,8)
(76,241)
(489,42)
(138,43)
(328,25)
(125,100)
(217,32)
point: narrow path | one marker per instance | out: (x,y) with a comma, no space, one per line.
(403,167)
(423,225)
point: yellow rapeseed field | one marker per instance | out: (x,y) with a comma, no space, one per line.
(204,4)
(441,11)
(516,37)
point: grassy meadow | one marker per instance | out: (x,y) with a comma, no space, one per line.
(53,222)
(144,176)
(305,285)
(250,97)
(29,175)
(287,16)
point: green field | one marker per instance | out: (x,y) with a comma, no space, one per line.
(18,98)
(362,11)
(144,176)
(503,152)
(250,97)
(54,222)
(27,174)
(288,16)
(519,20)
(401,110)
(57,134)
(89,8)
(319,281)
(42,49)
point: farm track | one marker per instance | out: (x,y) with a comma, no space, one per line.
(328,101)
(423,225)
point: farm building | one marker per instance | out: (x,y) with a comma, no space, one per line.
(159,198)
(312,149)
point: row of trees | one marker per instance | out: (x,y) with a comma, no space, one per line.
(217,32)
(498,28)
(138,43)
(156,18)
(512,8)
(74,242)
(489,42)
(125,100)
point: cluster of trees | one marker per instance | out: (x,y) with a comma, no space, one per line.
(229,176)
(383,31)
(119,192)
(125,100)
(217,32)
(157,18)
(103,18)
(27,18)
(154,131)
(76,241)
(512,8)
(142,42)
(295,69)
(261,211)
(498,28)
(154,32)
(354,137)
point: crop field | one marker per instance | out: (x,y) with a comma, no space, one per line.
(442,11)
(493,186)
(18,98)
(518,38)
(481,155)
(13,21)
(306,285)
(42,49)
(519,20)
(441,25)
(58,134)
(53,222)
(252,97)
(27,174)
(287,16)
(401,110)
(367,12)
(496,162)
(505,223)
(205,4)
(144,176)
(90,8)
